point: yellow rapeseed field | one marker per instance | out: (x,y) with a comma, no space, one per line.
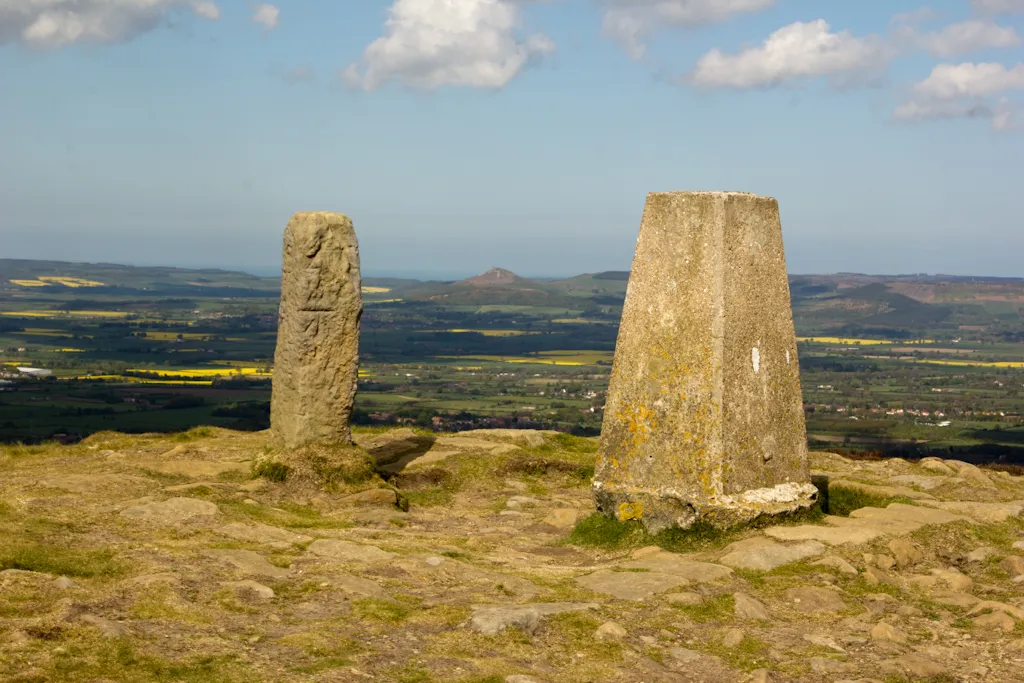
(495,333)
(42,332)
(969,363)
(861,342)
(202,372)
(57,314)
(567,358)
(45,281)
(140,380)
(376,290)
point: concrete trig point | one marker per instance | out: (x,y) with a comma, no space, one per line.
(704,418)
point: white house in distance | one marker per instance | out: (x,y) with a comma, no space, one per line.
(35,372)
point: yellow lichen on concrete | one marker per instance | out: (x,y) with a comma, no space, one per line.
(631,511)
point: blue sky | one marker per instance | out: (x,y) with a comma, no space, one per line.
(464,134)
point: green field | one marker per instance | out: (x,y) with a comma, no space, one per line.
(164,349)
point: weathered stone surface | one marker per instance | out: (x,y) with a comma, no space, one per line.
(1014,565)
(562,518)
(733,637)
(346,551)
(936,465)
(491,620)
(888,632)
(813,599)
(317,357)
(171,511)
(989,513)
(764,554)
(920,481)
(704,416)
(677,565)
(837,563)
(630,585)
(249,588)
(919,666)
(904,552)
(685,599)
(270,536)
(610,631)
(746,607)
(199,468)
(106,627)
(248,562)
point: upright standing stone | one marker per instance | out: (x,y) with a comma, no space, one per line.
(704,417)
(316,366)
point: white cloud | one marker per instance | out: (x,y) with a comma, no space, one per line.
(998,6)
(951,81)
(800,50)
(429,44)
(266,14)
(966,91)
(54,23)
(630,22)
(966,36)
(207,10)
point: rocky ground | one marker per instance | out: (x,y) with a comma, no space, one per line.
(161,558)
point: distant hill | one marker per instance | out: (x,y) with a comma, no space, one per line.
(495,277)
(849,303)
(40,277)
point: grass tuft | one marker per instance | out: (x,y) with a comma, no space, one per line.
(841,500)
(386,611)
(270,470)
(60,560)
(194,434)
(601,531)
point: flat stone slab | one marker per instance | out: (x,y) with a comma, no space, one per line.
(171,511)
(248,562)
(635,586)
(468,443)
(765,554)
(989,513)
(531,438)
(105,485)
(490,620)
(359,586)
(900,513)
(270,536)
(919,480)
(198,469)
(346,551)
(867,524)
(813,600)
(453,572)
(832,535)
(676,565)
(562,518)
